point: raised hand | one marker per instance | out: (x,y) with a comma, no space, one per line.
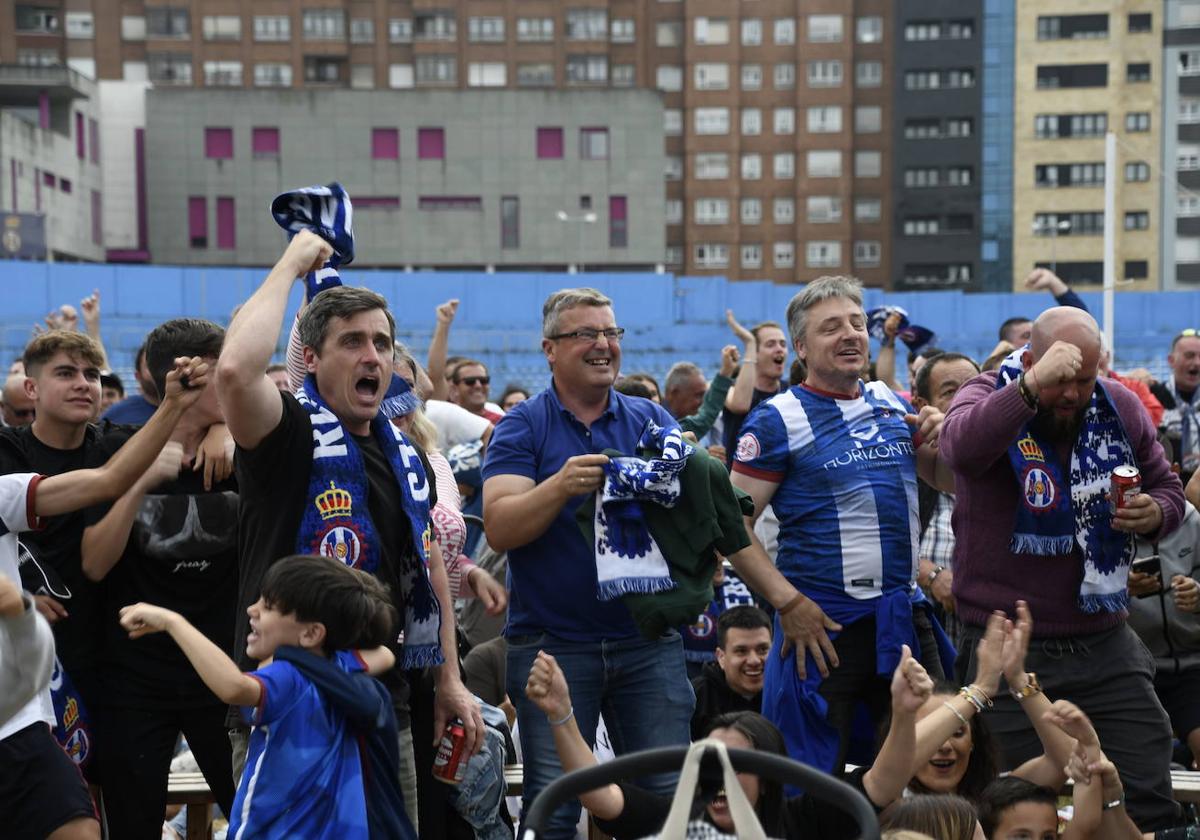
(729,360)
(445,311)
(90,307)
(547,687)
(744,335)
(911,684)
(1060,364)
(187,380)
(1016,645)
(989,654)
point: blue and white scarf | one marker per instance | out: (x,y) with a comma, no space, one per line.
(1051,521)
(337,523)
(327,212)
(628,560)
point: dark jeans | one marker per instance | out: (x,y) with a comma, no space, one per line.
(1110,676)
(135,747)
(855,679)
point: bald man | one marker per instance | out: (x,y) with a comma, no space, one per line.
(17,409)
(1032,447)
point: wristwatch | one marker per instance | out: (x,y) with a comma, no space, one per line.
(1032,687)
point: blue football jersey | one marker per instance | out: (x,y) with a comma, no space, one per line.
(303,774)
(847,495)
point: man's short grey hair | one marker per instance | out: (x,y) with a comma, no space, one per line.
(565,299)
(339,302)
(679,374)
(821,289)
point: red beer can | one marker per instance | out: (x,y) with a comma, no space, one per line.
(450,764)
(1126,483)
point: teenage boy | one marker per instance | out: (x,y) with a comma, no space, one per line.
(303,775)
(41,792)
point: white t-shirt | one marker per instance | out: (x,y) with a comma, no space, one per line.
(454,423)
(17,492)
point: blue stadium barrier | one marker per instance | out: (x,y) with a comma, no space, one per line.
(669,318)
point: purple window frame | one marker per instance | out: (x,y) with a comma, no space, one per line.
(264,142)
(226,223)
(385,144)
(431,144)
(64,185)
(549,143)
(377,202)
(198,221)
(218,143)
(97,221)
(618,222)
(94,140)
(80,138)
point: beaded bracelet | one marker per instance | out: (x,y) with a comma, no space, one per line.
(976,696)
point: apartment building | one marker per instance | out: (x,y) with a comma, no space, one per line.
(936,142)
(776,113)
(1179,233)
(1084,68)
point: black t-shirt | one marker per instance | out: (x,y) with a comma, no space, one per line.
(732,423)
(803,816)
(181,555)
(273,480)
(56,546)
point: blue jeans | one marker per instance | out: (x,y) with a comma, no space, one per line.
(640,686)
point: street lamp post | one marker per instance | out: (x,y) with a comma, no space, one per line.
(579,220)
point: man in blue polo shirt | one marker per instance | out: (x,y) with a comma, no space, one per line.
(543,461)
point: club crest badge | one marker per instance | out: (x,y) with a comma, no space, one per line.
(340,538)
(1038,489)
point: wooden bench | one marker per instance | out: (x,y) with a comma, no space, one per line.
(191,790)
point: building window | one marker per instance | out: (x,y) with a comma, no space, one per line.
(1137,72)
(712,166)
(672,122)
(535,75)
(751,167)
(751,211)
(272,28)
(867,209)
(923,176)
(923,30)
(674,255)
(324,24)
(1087,223)
(400,76)
(133,27)
(673,170)
(712,76)
(868,164)
(1189,63)
(1072,27)
(198,221)
(922,226)
(377,202)
(674,211)
(1051,126)
(824,73)
(669,77)
(1137,171)
(221,27)
(226,224)
(362,31)
(550,143)
(587,69)
(785,76)
(623,75)
(823,209)
(708,30)
(868,119)
(264,142)
(223,74)
(400,30)
(1072,75)
(1137,269)
(170,68)
(668,33)
(218,143)
(751,32)
(587,25)
(436,69)
(97,219)
(593,144)
(751,76)
(64,185)
(712,211)
(711,255)
(824,163)
(783,254)
(37,20)
(751,256)
(487,74)
(168,22)
(867,253)
(323,70)
(93,140)
(825,119)
(623,30)
(1140,23)
(485,30)
(431,144)
(362,76)
(535,29)
(510,222)
(433,203)
(824,29)
(81,25)
(272,75)
(1187,205)
(959,176)
(785,30)
(1187,158)
(712,120)
(785,120)
(867,74)
(1189,111)
(823,255)
(1137,220)
(751,121)
(435,25)
(385,144)
(869,30)
(80,137)
(784,211)
(1137,121)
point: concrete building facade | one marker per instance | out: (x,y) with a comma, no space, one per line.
(1179,231)
(466,180)
(1083,68)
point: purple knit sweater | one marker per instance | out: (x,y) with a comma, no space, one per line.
(980,426)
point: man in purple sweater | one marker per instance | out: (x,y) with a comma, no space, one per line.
(1032,447)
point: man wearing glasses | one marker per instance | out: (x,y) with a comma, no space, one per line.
(1180,397)
(471,383)
(543,461)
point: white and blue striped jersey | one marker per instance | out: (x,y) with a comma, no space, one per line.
(847,495)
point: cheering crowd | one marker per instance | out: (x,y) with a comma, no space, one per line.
(339,575)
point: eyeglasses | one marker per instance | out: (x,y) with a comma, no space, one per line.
(590,336)
(475,380)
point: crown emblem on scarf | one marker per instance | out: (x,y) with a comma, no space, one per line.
(334,503)
(1030,450)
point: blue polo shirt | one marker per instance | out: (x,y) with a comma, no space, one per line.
(552,580)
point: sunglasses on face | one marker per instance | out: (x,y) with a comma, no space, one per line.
(475,380)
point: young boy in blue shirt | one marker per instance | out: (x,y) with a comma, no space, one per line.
(304,773)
